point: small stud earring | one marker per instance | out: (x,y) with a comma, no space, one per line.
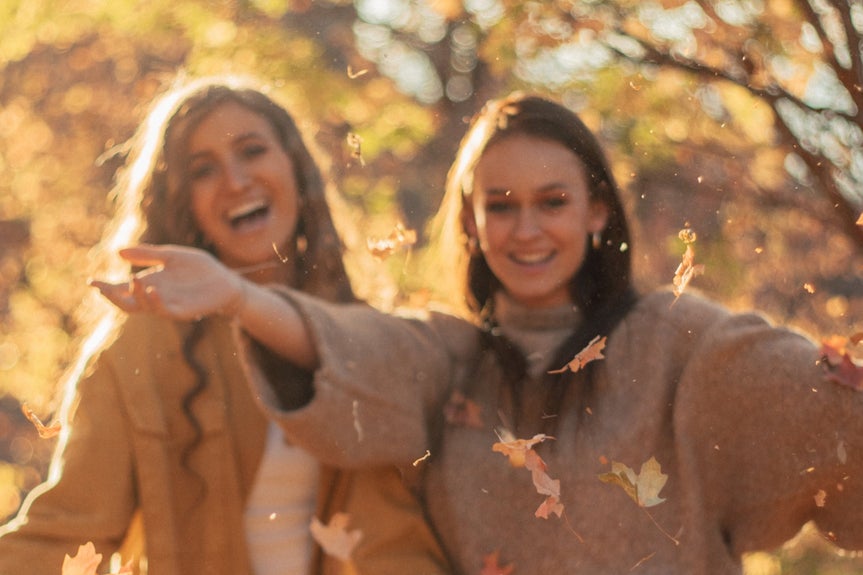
(472,245)
(596,240)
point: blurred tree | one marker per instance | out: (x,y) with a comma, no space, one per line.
(739,117)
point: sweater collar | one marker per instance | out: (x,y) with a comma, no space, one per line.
(512,315)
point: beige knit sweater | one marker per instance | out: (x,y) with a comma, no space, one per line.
(754,440)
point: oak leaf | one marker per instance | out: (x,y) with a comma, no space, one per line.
(334,538)
(44,431)
(644,487)
(591,352)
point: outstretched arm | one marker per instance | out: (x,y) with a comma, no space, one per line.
(187,283)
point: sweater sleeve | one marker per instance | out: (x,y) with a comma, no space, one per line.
(89,494)
(380,380)
(768,440)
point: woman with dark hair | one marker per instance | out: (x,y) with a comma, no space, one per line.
(164,454)
(739,432)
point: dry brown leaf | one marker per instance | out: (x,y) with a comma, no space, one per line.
(45,431)
(591,352)
(521,454)
(399,238)
(334,538)
(688,269)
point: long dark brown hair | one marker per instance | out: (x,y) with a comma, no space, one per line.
(602,288)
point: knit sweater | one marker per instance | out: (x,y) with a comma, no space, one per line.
(739,415)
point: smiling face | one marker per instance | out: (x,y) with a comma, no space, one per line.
(243,190)
(531,212)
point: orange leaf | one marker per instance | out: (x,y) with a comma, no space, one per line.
(591,352)
(521,454)
(860,220)
(688,269)
(382,248)
(45,432)
(516,449)
(840,367)
(491,565)
(334,538)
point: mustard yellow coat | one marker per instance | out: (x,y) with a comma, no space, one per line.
(123,476)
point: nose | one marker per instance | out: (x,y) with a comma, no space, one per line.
(236,177)
(526,224)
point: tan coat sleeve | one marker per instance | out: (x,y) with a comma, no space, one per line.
(89,495)
(771,443)
(380,379)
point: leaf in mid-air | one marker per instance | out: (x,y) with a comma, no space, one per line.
(644,487)
(334,538)
(591,352)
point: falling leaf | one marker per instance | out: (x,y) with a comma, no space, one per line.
(45,432)
(688,269)
(334,538)
(355,143)
(516,449)
(399,238)
(642,488)
(860,220)
(839,365)
(86,561)
(820,498)
(591,352)
(491,565)
(521,454)
(462,411)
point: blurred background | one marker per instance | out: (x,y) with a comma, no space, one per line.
(739,118)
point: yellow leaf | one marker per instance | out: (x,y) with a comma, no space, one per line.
(642,488)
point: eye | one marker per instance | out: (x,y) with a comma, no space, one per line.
(555,201)
(253,150)
(498,207)
(200,170)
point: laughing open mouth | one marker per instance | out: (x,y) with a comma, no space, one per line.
(248,213)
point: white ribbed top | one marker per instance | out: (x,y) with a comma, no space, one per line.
(280,508)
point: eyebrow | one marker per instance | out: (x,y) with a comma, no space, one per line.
(239,138)
(550,187)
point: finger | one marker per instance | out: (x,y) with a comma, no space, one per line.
(145,255)
(118,294)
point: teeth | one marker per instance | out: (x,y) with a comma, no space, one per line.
(531,258)
(246,208)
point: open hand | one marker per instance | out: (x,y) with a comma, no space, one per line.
(179,282)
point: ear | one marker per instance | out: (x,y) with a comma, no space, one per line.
(597,217)
(468,220)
